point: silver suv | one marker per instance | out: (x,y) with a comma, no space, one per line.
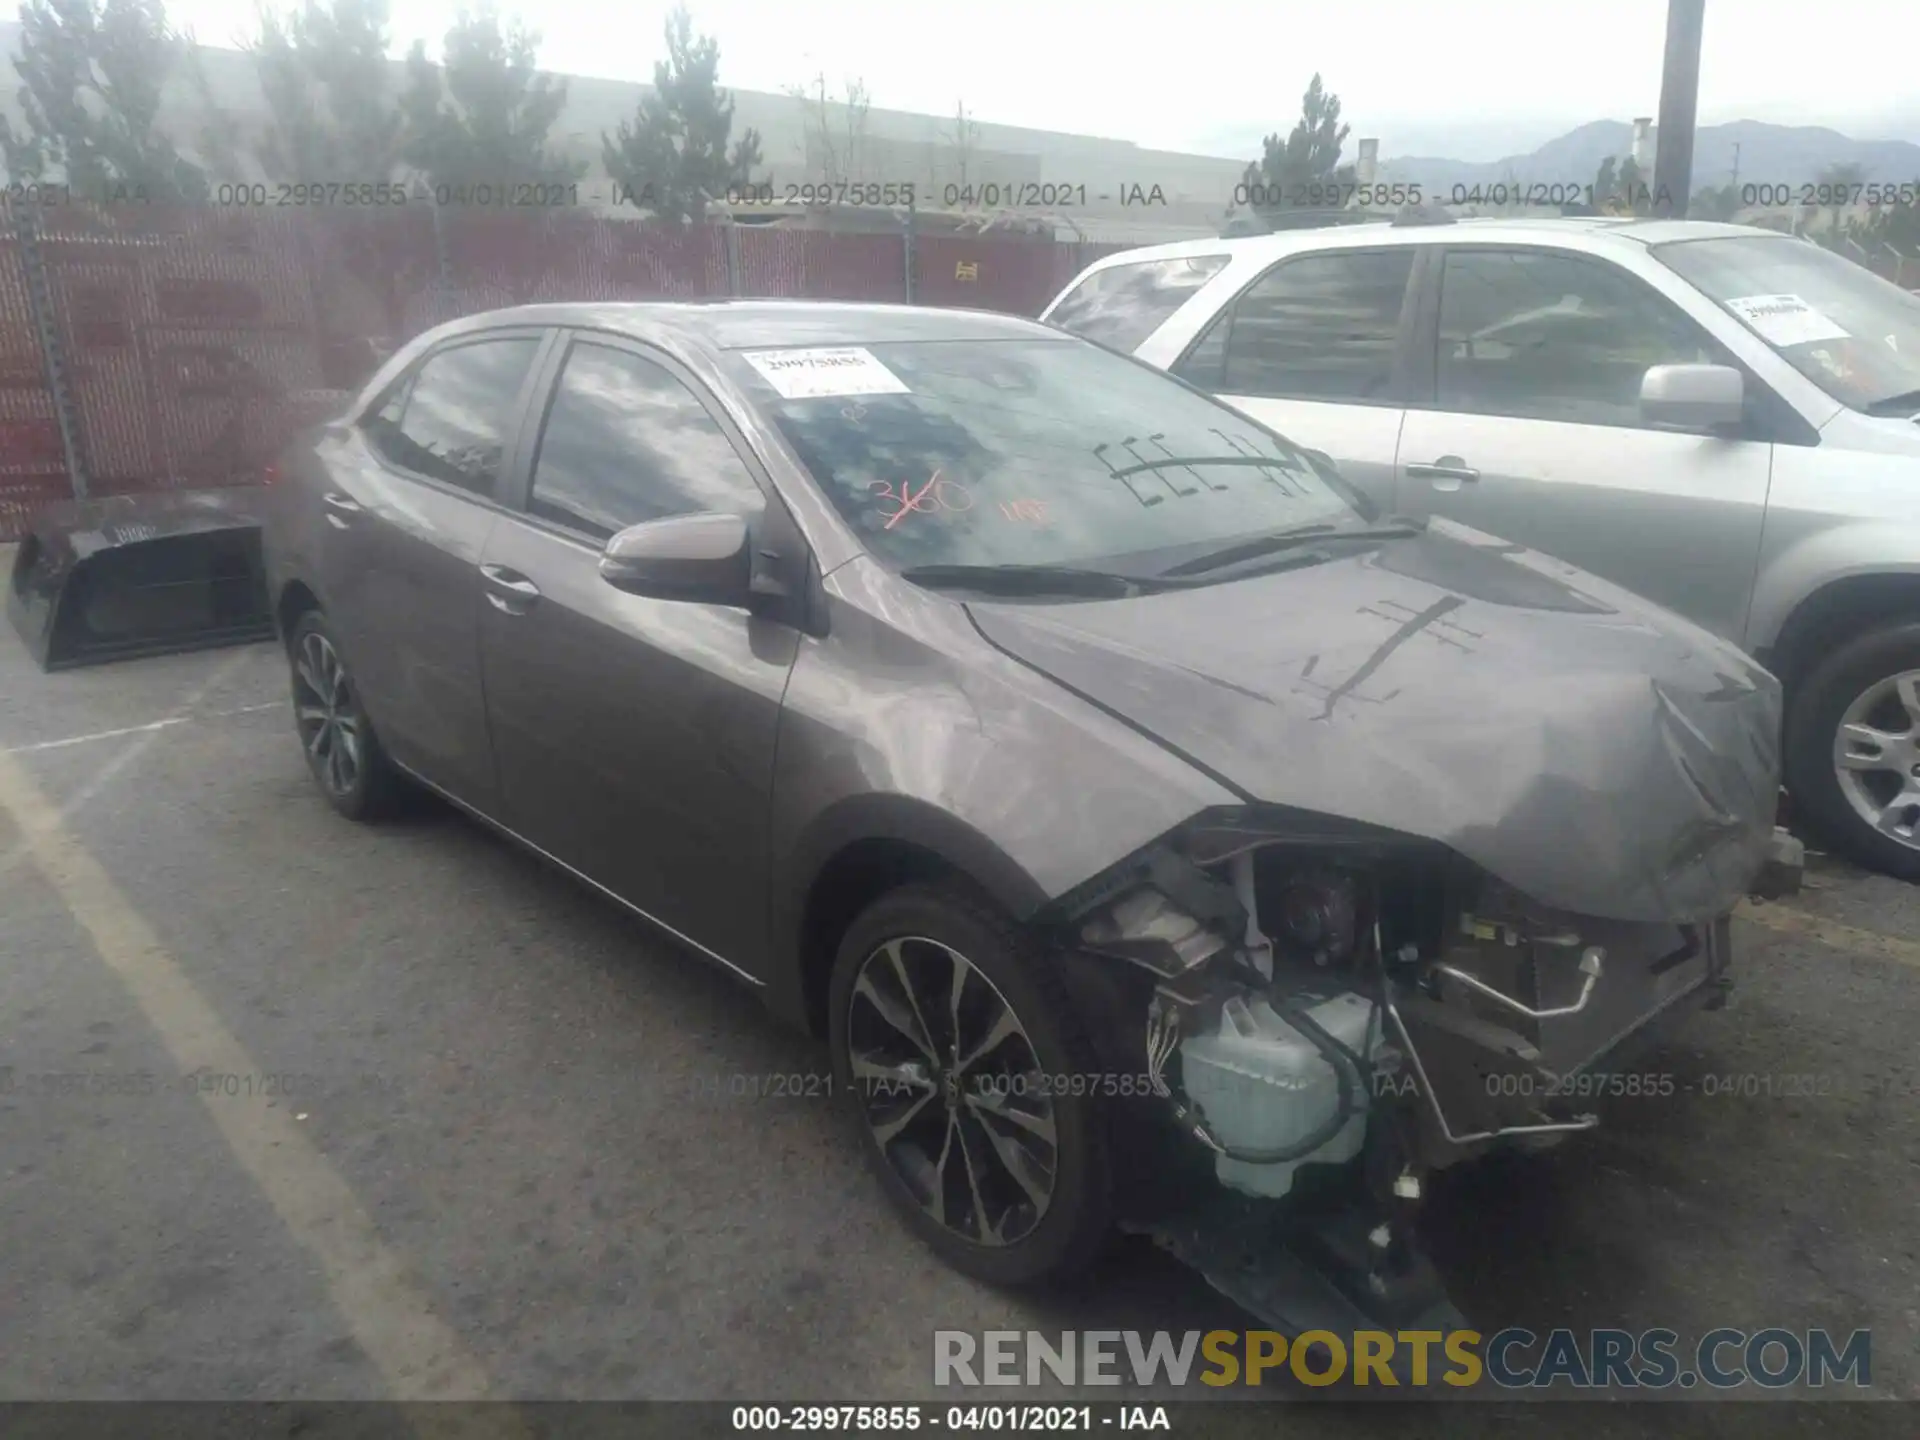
(1724,419)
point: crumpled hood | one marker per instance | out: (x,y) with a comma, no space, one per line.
(1595,752)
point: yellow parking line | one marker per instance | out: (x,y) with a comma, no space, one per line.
(391,1317)
(1788,920)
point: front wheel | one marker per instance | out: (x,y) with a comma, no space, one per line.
(1853,749)
(963,1058)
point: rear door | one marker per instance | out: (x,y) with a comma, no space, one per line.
(407,516)
(635,737)
(1531,430)
(1315,349)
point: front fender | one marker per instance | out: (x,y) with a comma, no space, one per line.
(905,821)
(1815,562)
(904,725)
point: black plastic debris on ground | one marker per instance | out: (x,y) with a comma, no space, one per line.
(128,575)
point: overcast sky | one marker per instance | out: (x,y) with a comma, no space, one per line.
(1467,79)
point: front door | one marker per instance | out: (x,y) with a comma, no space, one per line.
(1534,432)
(635,737)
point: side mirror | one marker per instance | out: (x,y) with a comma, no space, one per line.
(702,558)
(1693,397)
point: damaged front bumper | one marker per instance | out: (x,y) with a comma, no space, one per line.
(1512,1036)
(1331,1012)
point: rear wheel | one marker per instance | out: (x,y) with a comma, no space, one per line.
(343,753)
(963,1058)
(1853,749)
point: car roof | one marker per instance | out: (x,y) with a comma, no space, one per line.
(765,324)
(1596,231)
(698,332)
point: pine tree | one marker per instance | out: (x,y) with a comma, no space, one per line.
(1304,170)
(323,72)
(672,157)
(480,119)
(90,82)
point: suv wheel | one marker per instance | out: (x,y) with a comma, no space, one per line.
(1853,749)
(958,1047)
(342,751)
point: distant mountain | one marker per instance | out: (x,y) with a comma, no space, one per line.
(1767,155)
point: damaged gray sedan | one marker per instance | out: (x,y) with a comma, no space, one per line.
(1159,836)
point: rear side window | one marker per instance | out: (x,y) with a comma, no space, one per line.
(1322,327)
(1124,304)
(626,441)
(452,423)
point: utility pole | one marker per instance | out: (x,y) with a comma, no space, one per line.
(1679,103)
(1736,165)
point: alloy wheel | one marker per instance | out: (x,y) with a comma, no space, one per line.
(1876,756)
(950,1086)
(324,709)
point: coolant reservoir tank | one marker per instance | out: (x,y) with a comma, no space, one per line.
(1261,1085)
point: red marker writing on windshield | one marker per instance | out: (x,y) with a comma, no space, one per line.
(936,494)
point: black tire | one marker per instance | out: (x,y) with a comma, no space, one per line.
(1076,1221)
(374,788)
(1814,715)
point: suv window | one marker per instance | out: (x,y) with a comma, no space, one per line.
(451,422)
(626,441)
(1124,304)
(1549,336)
(1319,327)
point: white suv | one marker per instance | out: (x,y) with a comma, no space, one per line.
(1724,419)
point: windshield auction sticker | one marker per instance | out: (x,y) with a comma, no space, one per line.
(1786,320)
(813,374)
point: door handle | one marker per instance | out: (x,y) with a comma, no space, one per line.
(341,507)
(508,591)
(1449,472)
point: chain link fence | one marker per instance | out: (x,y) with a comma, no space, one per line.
(146,349)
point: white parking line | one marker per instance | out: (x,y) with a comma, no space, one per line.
(151,725)
(391,1317)
(96,735)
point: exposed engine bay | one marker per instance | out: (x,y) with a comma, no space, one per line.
(1342,1008)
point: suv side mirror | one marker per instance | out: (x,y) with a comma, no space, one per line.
(702,558)
(1693,397)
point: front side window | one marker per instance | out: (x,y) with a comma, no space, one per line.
(1549,336)
(626,441)
(452,423)
(1122,305)
(1320,327)
(1030,451)
(1851,333)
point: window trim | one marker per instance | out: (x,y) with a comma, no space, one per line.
(1402,367)
(514,425)
(517,476)
(1770,417)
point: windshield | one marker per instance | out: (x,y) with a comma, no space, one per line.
(1853,334)
(1030,452)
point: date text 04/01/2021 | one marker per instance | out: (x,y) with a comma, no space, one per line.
(853,1419)
(809,1084)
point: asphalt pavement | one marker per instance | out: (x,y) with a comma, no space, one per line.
(459,1127)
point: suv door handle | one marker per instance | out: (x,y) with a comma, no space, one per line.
(508,591)
(1449,472)
(341,506)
